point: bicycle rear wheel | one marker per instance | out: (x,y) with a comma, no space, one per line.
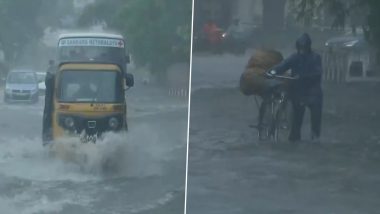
(283,121)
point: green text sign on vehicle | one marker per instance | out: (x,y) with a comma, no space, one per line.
(98,42)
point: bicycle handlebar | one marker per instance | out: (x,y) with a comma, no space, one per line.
(285,77)
(309,75)
(281,76)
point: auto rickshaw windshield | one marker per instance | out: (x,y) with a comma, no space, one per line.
(90,86)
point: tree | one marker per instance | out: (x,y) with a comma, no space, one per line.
(22,23)
(100,10)
(157,31)
(273,14)
(305,11)
(18,21)
(373,29)
(52,12)
(363,12)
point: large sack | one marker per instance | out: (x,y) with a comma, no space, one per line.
(253,81)
(264,59)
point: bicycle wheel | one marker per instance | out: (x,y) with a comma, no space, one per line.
(283,118)
(266,127)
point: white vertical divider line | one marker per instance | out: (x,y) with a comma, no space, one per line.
(189,104)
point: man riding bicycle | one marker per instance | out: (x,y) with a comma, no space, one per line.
(306,91)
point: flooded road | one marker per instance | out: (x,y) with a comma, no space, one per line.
(230,171)
(150,172)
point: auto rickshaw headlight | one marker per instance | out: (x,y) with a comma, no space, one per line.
(113,123)
(69,122)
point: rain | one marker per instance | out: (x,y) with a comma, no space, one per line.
(230,169)
(139,167)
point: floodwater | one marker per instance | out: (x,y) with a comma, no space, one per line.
(142,171)
(230,171)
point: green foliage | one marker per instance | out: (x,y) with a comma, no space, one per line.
(362,12)
(18,25)
(22,22)
(101,10)
(308,11)
(157,31)
(52,11)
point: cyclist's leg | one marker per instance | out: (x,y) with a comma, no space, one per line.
(316,116)
(298,113)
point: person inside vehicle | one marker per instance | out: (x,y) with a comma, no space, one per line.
(306,91)
(85,91)
(78,54)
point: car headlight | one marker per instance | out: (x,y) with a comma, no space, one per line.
(69,122)
(113,123)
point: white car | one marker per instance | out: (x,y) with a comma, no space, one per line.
(21,85)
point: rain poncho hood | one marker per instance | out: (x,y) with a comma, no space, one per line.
(304,43)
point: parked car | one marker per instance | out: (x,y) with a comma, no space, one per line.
(21,85)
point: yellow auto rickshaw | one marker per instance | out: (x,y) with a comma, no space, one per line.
(88,100)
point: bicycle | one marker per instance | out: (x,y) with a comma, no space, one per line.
(276,113)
